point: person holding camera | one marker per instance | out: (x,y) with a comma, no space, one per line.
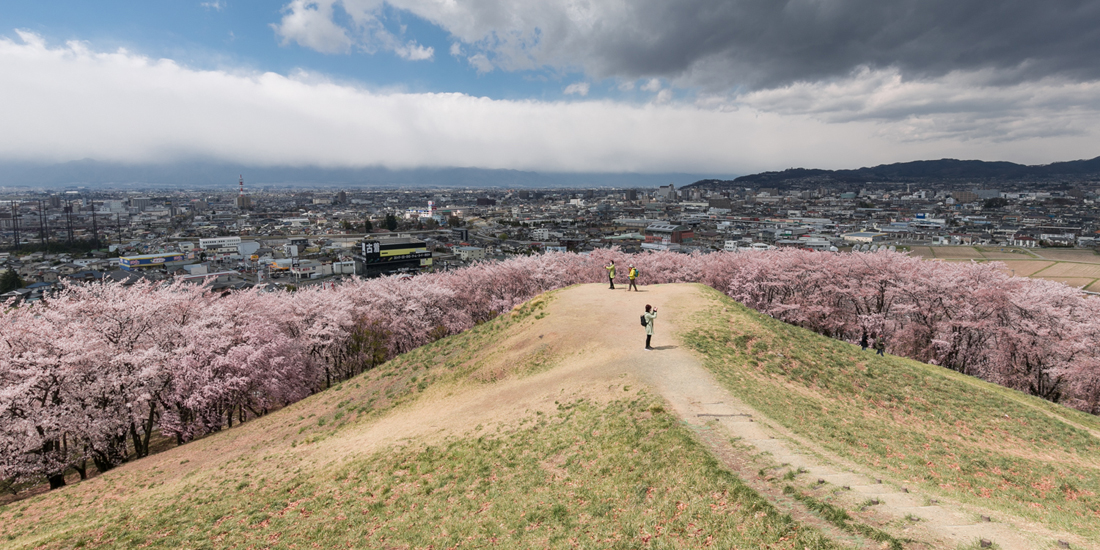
(650,315)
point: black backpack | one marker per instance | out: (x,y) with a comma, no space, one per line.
(644,323)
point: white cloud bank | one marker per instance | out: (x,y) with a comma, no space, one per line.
(69,102)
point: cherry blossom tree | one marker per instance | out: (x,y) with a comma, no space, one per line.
(94,372)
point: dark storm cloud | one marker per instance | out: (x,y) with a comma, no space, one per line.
(765,43)
(757,44)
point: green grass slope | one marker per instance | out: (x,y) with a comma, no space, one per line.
(913,423)
(610,471)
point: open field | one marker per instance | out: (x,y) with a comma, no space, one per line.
(1070,255)
(1078,268)
(1071,269)
(1025,268)
(922,252)
(1070,281)
(1003,253)
(957,253)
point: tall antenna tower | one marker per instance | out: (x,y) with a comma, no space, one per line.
(243,202)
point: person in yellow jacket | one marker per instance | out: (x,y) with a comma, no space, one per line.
(632,275)
(611,273)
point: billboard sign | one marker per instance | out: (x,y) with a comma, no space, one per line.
(406,256)
(153,260)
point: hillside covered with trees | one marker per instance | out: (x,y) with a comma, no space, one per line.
(88,377)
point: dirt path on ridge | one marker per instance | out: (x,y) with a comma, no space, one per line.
(593,314)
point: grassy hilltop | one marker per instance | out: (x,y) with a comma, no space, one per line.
(539,429)
(918,424)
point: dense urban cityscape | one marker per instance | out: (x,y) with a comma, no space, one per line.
(244,238)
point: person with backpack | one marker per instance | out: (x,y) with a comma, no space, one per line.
(647,320)
(610,267)
(880,345)
(632,275)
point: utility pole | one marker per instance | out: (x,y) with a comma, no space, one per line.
(118,226)
(69,220)
(46,223)
(15,223)
(42,229)
(95,229)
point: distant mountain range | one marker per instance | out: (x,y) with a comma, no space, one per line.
(213,175)
(921,170)
(92,173)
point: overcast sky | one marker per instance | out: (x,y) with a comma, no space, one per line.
(722,86)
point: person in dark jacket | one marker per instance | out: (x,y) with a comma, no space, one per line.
(880,345)
(863,342)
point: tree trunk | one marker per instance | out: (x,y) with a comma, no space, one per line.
(141,441)
(82,469)
(56,481)
(101,461)
(136,439)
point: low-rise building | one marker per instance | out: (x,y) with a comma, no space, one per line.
(865,237)
(668,232)
(470,253)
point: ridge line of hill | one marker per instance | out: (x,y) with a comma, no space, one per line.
(921,170)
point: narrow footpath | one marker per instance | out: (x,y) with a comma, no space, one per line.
(609,319)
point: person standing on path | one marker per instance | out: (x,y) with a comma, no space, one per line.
(880,345)
(632,275)
(611,273)
(650,315)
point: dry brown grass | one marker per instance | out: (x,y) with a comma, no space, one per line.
(957,253)
(1004,253)
(1087,256)
(1068,269)
(1070,281)
(922,252)
(1025,268)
